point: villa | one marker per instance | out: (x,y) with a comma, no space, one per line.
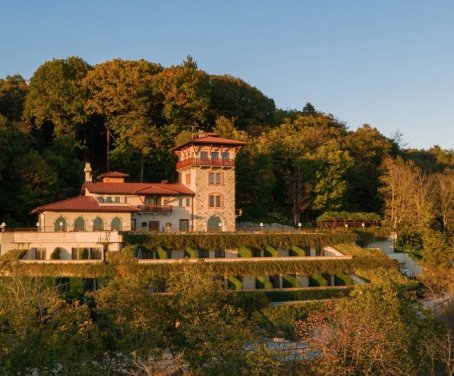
(202,201)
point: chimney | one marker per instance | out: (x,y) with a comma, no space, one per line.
(87,170)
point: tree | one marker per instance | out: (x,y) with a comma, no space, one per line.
(443,189)
(184,91)
(307,155)
(233,98)
(121,92)
(56,96)
(13,90)
(309,109)
(377,331)
(368,148)
(406,194)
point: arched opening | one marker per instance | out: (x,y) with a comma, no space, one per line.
(79,224)
(60,224)
(98,224)
(116,224)
(214,224)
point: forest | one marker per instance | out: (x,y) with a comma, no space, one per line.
(125,115)
(298,164)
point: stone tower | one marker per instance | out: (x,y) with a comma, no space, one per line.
(206,165)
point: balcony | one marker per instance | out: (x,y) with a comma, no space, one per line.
(206,162)
(156,208)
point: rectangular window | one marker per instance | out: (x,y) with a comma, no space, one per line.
(117,199)
(225,155)
(204,154)
(180,201)
(214,155)
(214,201)
(214,178)
(188,179)
(184,225)
(109,199)
(188,202)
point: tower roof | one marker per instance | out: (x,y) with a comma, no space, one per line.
(209,139)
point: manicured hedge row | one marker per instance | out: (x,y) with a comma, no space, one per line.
(349,216)
(236,240)
(263,266)
(307,294)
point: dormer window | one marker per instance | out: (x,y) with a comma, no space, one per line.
(101,200)
(109,199)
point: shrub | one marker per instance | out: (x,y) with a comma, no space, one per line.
(263,283)
(341,279)
(84,254)
(244,252)
(296,251)
(317,280)
(56,254)
(161,253)
(13,255)
(249,301)
(270,251)
(307,294)
(190,253)
(290,281)
(234,283)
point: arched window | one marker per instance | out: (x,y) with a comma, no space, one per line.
(60,224)
(79,224)
(98,224)
(214,224)
(116,224)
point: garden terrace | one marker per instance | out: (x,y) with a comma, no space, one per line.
(257,240)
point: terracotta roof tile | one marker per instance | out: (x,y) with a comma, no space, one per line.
(83,204)
(138,188)
(113,174)
(210,139)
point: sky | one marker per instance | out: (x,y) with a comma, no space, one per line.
(387,63)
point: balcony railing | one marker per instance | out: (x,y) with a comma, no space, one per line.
(156,208)
(206,162)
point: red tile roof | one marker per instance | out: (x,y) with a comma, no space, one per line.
(138,188)
(210,139)
(113,174)
(84,204)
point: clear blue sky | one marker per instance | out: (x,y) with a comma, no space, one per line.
(388,63)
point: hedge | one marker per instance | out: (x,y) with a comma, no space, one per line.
(190,253)
(307,294)
(270,251)
(317,279)
(290,281)
(234,283)
(296,251)
(161,253)
(227,240)
(244,252)
(341,279)
(262,282)
(349,216)
(55,255)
